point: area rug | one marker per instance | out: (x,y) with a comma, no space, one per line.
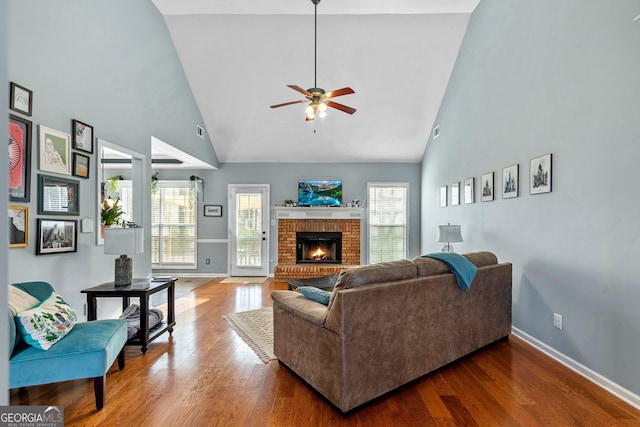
(255,327)
(238,279)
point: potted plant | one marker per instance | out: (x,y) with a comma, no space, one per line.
(110,215)
(288,203)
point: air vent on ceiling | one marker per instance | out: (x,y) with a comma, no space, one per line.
(200,131)
(436,132)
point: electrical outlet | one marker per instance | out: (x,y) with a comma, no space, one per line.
(557,321)
(207,261)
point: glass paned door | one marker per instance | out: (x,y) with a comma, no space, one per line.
(249,230)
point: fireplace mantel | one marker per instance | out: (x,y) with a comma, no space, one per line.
(318,213)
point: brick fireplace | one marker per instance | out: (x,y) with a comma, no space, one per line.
(291,221)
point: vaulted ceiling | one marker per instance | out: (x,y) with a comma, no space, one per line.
(239,56)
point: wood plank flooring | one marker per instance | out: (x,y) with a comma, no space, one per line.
(204,375)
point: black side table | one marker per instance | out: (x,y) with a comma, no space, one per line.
(142,289)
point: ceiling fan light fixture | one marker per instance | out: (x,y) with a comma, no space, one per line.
(318,97)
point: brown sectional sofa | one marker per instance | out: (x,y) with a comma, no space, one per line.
(388,324)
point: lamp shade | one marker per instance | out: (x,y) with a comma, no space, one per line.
(120,241)
(449,233)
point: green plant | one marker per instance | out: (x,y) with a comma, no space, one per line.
(288,202)
(110,215)
(154,183)
(113,182)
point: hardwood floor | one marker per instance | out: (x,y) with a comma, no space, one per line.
(204,375)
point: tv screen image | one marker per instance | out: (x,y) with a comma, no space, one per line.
(319,193)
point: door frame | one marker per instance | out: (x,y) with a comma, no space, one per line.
(266,220)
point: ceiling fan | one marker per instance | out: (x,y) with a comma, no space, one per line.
(317,98)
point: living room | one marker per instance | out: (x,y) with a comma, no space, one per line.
(530,78)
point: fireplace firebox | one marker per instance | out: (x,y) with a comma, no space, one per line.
(318,247)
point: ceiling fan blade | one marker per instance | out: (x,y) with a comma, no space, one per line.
(289,103)
(341,107)
(339,92)
(299,89)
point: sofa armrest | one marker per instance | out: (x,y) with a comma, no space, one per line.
(297,304)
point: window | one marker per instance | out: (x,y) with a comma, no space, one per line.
(388,219)
(173,226)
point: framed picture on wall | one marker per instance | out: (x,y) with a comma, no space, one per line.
(540,175)
(469,190)
(82,136)
(510,182)
(486,184)
(455,193)
(58,196)
(443,196)
(212,210)
(57,236)
(18,226)
(55,151)
(21,99)
(19,159)
(81,165)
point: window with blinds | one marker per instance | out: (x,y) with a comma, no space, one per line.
(388,218)
(173,226)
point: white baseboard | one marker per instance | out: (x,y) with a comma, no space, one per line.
(599,380)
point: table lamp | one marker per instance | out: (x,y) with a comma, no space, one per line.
(123,241)
(448,234)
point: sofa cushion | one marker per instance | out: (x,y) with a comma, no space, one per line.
(45,324)
(315,294)
(431,267)
(480,259)
(374,273)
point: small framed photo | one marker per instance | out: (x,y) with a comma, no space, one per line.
(82,136)
(55,151)
(81,165)
(212,210)
(486,184)
(540,175)
(57,236)
(469,190)
(18,226)
(443,196)
(21,99)
(58,196)
(455,193)
(19,159)
(510,182)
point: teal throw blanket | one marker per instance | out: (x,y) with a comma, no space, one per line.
(462,268)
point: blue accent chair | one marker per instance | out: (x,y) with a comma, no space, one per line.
(87,351)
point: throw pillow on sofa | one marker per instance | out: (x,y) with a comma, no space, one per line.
(46,324)
(20,300)
(315,294)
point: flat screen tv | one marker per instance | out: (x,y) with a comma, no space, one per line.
(319,193)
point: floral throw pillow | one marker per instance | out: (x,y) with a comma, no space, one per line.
(46,324)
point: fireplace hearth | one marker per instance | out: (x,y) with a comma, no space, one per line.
(318,247)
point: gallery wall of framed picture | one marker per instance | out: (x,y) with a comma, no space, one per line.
(60,155)
(540,178)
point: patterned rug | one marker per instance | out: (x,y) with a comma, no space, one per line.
(255,327)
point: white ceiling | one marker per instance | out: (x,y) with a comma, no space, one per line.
(239,56)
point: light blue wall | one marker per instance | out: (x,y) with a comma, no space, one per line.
(544,76)
(110,64)
(283,179)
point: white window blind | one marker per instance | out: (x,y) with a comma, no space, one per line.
(173,226)
(388,218)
